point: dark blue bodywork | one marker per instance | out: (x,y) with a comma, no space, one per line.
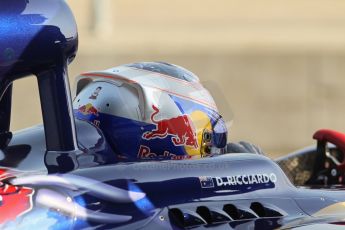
(72,173)
(40,38)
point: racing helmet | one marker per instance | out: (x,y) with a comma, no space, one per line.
(151,110)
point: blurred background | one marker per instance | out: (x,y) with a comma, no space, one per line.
(279,64)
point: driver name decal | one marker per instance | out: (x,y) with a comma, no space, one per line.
(236,184)
(246,179)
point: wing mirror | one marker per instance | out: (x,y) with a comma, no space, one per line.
(40,37)
(35,34)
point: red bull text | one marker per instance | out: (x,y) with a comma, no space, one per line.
(145,153)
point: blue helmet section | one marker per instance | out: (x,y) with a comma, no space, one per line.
(125,137)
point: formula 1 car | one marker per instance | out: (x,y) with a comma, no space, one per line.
(54,175)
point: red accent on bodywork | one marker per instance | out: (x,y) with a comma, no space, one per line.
(15,200)
(331,136)
(5,174)
(334,137)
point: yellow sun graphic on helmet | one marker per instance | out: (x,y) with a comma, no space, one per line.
(203,129)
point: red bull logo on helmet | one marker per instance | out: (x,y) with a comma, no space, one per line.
(180,129)
(88,109)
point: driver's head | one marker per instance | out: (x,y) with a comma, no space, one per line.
(151,110)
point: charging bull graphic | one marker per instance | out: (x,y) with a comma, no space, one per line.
(14,200)
(180,128)
(88,109)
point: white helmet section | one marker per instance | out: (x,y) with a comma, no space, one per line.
(110,98)
(130,92)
